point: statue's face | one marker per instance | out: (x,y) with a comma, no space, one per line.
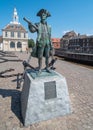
(43,16)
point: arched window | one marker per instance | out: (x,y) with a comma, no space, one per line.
(19,45)
(12,45)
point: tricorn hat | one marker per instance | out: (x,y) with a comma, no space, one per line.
(43,11)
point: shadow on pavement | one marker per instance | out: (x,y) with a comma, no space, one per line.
(5,57)
(15,101)
(9,60)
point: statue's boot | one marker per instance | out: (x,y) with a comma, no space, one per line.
(39,71)
(48,70)
(40,65)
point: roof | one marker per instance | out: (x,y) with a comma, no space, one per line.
(14,27)
(55,39)
(70,34)
(80,37)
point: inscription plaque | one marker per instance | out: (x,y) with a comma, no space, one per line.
(50,90)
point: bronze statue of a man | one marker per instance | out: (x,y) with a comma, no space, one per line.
(43,41)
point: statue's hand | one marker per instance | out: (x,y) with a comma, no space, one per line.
(30,25)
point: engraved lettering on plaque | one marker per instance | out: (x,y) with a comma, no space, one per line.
(50,90)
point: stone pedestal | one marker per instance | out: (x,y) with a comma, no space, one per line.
(44,97)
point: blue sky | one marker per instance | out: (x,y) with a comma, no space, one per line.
(66,15)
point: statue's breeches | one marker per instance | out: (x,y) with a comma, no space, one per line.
(43,51)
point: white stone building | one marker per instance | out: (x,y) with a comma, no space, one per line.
(1,43)
(14,35)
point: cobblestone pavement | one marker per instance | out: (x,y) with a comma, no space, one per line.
(80,86)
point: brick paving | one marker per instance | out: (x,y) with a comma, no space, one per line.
(80,86)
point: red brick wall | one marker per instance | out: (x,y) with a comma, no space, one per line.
(56,42)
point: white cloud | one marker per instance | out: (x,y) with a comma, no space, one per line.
(66,31)
(69,31)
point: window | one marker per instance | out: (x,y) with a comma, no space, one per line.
(12,26)
(19,45)
(83,40)
(12,45)
(18,34)
(24,35)
(12,34)
(6,34)
(87,40)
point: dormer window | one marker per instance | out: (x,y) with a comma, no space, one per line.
(12,26)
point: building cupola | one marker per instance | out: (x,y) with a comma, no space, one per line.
(15,17)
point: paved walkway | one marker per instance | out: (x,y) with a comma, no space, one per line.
(80,86)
